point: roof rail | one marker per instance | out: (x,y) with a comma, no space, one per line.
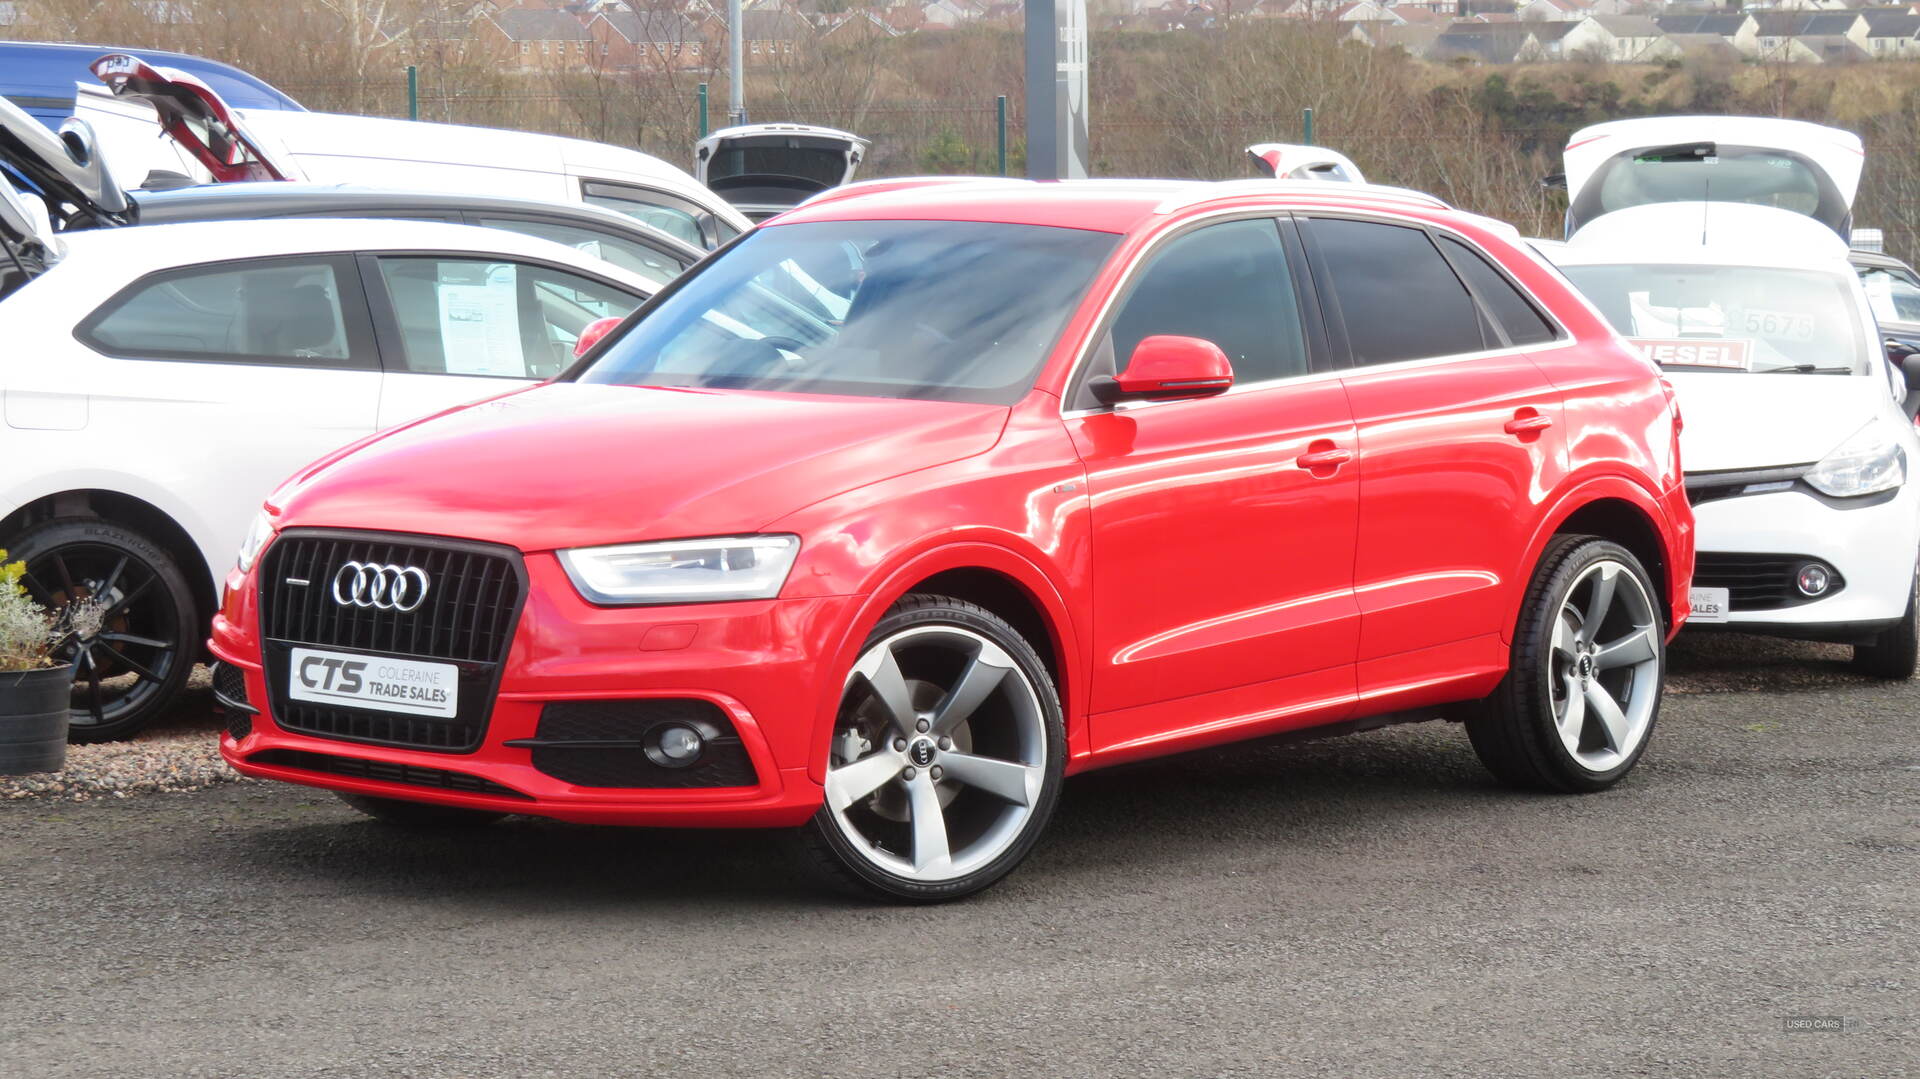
(1203,192)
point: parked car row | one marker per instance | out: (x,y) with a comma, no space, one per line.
(924,494)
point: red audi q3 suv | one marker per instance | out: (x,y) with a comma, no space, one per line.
(924,496)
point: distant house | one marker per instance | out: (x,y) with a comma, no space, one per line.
(768,34)
(1823,49)
(1739,30)
(533,40)
(661,40)
(1777,31)
(1548,40)
(1616,38)
(1892,35)
(1554,10)
(1486,43)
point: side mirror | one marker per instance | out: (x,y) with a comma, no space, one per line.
(1166,367)
(591,336)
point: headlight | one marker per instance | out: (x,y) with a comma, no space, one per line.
(258,533)
(1867,462)
(683,571)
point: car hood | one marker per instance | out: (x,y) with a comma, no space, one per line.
(1739,421)
(566,465)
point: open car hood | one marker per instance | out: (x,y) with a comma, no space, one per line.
(196,118)
(66,170)
(1789,164)
(771,167)
(1291,161)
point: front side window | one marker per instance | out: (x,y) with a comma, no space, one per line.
(1228,284)
(619,250)
(1398,299)
(943,310)
(286,311)
(492,318)
(1894,296)
(1732,318)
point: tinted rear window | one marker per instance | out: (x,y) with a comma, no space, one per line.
(1523,323)
(1399,300)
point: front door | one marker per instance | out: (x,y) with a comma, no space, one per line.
(1222,527)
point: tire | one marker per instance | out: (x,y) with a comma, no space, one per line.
(419,815)
(1893,653)
(1548,725)
(946,758)
(131,672)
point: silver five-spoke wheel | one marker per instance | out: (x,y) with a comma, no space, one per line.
(942,764)
(1605,666)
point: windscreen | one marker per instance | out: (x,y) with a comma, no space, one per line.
(1705,172)
(1731,318)
(944,310)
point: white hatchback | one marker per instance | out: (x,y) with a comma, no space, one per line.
(157,382)
(1796,446)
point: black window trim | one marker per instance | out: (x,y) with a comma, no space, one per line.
(363,353)
(1319,359)
(386,322)
(1335,318)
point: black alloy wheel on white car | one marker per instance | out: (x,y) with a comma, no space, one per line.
(946,759)
(1587,671)
(131,670)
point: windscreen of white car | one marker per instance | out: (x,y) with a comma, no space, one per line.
(1706,172)
(1731,318)
(1893,295)
(942,310)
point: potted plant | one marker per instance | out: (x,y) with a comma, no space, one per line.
(35,690)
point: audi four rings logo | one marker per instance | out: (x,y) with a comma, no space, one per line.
(386,587)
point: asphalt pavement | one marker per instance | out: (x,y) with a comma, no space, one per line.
(1744,905)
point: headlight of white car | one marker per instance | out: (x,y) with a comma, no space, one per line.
(683,571)
(1865,463)
(258,533)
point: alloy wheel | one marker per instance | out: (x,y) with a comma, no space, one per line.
(939,754)
(1603,669)
(126,664)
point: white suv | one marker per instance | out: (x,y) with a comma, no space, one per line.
(157,382)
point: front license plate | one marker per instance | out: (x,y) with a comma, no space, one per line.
(382,683)
(1709,604)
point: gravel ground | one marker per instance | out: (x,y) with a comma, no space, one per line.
(178,753)
(1356,907)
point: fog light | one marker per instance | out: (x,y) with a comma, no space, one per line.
(1813,579)
(675,746)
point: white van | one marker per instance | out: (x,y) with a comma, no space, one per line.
(1787,164)
(211,142)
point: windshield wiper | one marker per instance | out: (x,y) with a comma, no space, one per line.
(1804,369)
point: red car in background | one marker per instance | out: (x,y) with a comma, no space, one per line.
(923,496)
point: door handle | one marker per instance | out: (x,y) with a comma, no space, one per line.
(1329,458)
(1528,422)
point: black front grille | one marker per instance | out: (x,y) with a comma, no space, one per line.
(1758,582)
(383,771)
(604,744)
(466,618)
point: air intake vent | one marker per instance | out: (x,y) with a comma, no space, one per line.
(605,743)
(383,771)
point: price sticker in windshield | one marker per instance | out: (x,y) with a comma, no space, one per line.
(1779,325)
(1694,352)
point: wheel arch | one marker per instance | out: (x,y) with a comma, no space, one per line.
(1617,510)
(994,577)
(132,512)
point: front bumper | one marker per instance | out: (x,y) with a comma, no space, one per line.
(758,662)
(1873,545)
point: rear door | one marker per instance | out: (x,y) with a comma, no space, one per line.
(1222,526)
(1459,436)
(458,327)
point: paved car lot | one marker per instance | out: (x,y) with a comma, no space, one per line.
(1362,906)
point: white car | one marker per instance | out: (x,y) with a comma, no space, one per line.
(1796,447)
(208,141)
(1786,164)
(1293,161)
(158,382)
